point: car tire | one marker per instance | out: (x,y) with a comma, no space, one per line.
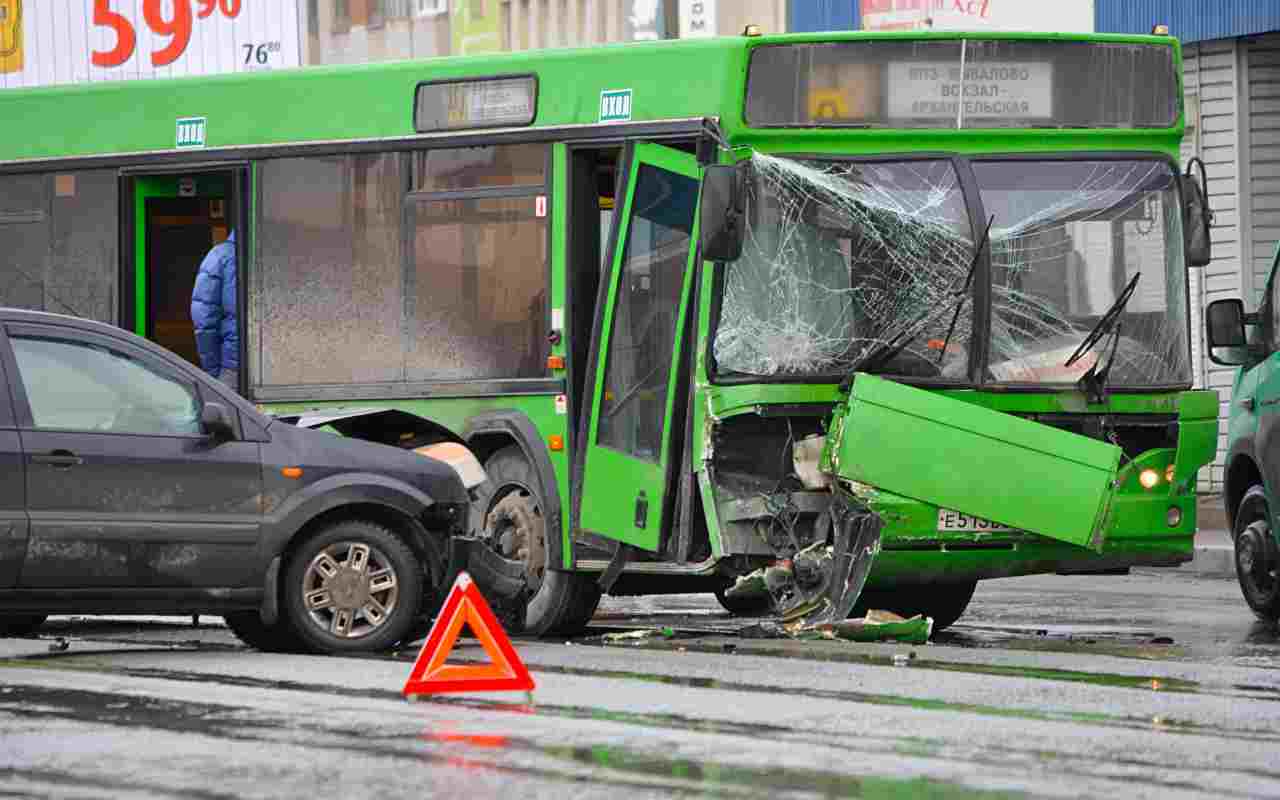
(508,512)
(353,586)
(745,606)
(1257,564)
(277,638)
(944,602)
(21,624)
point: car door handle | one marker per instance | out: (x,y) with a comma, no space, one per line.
(1271,401)
(1246,403)
(59,459)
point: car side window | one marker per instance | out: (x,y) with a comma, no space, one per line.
(88,387)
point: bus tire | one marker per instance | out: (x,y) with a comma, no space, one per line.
(1257,564)
(20,624)
(508,513)
(745,606)
(250,629)
(944,602)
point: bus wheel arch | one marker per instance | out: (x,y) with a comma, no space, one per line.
(488,434)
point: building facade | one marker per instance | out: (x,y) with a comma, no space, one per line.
(353,31)
(1231,80)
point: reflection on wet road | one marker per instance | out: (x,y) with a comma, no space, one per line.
(1153,685)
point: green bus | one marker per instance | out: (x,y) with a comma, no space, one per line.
(700,308)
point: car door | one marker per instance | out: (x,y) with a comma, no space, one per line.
(1264,400)
(13,512)
(123,487)
(628,438)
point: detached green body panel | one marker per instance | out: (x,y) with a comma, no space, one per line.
(984,463)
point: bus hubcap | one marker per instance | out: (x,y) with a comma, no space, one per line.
(517,530)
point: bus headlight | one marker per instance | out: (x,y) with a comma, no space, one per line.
(1148,478)
(1173,516)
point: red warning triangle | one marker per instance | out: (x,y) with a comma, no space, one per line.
(431,675)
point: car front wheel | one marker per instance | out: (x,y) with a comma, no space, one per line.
(1257,562)
(353,586)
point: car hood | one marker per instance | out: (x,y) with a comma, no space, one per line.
(328,453)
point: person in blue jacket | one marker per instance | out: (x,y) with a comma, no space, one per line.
(214,312)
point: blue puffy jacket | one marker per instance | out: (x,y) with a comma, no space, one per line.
(213,309)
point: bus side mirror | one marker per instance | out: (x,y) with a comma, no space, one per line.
(1224,323)
(721,222)
(1196,217)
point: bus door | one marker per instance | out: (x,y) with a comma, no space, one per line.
(630,433)
(175,219)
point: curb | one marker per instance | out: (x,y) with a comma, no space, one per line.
(1212,561)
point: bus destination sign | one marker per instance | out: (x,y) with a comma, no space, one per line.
(481,103)
(991,90)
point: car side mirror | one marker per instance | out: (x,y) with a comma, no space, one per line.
(1224,323)
(722,221)
(1196,217)
(215,419)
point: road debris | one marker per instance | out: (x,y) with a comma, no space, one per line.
(623,637)
(876,626)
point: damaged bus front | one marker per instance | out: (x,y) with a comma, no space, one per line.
(965,321)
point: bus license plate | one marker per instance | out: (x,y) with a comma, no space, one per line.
(949,520)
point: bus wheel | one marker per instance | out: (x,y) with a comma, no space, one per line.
(1256,558)
(20,624)
(944,602)
(508,514)
(752,606)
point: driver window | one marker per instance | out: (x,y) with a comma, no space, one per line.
(84,387)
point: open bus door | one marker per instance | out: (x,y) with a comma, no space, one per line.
(172,220)
(633,374)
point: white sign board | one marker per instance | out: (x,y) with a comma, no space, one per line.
(927,89)
(1044,16)
(75,42)
(697,18)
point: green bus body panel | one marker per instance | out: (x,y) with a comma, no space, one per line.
(969,459)
(1197,437)
(373,101)
(613,481)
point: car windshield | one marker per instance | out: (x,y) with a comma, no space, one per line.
(843,257)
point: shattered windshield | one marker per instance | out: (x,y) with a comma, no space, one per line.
(1068,237)
(843,258)
(840,258)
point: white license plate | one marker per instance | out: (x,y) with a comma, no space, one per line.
(949,520)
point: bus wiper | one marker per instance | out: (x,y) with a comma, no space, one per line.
(964,290)
(1094,382)
(888,349)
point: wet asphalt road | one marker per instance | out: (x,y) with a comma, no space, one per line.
(1153,685)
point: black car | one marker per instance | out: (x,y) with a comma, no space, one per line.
(130,481)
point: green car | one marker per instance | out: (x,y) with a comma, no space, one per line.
(1252,478)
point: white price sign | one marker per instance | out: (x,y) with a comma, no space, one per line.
(100,40)
(991,89)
